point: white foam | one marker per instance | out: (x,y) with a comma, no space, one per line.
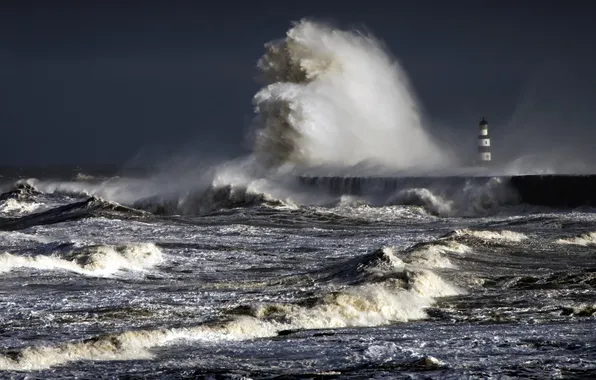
(429,284)
(130,345)
(390,263)
(101,260)
(16,207)
(584,240)
(366,305)
(503,235)
(423,197)
(432,255)
(385,351)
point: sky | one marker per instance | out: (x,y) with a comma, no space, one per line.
(119,82)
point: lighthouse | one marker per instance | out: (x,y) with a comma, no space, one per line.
(483,143)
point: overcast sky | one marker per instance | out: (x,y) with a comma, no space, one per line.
(91,84)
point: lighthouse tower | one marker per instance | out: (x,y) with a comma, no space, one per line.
(483,143)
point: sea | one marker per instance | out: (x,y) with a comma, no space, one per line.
(238,284)
(298,260)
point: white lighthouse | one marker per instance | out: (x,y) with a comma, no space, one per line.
(483,143)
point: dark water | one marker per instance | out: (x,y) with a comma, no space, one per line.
(106,278)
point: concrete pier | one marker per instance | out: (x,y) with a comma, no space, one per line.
(560,191)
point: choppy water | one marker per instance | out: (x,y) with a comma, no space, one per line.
(255,287)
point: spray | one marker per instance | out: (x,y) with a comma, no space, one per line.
(335,98)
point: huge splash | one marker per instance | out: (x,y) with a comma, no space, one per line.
(336,98)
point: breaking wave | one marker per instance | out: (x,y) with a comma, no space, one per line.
(15,207)
(206,201)
(363,305)
(585,239)
(128,345)
(335,98)
(433,255)
(99,260)
(22,190)
(19,200)
(92,207)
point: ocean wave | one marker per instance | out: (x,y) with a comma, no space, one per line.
(93,206)
(487,235)
(123,190)
(381,287)
(433,254)
(98,261)
(364,268)
(130,345)
(586,278)
(584,310)
(203,202)
(391,352)
(585,239)
(16,207)
(20,191)
(391,262)
(370,304)
(434,204)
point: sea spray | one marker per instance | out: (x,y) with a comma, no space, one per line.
(336,98)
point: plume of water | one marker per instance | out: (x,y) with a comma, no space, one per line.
(336,98)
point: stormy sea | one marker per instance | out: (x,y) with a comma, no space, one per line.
(262,267)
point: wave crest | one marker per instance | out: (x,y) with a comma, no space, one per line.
(16,207)
(585,239)
(202,202)
(485,235)
(22,190)
(99,260)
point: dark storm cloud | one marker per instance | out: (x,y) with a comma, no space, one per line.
(93,83)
